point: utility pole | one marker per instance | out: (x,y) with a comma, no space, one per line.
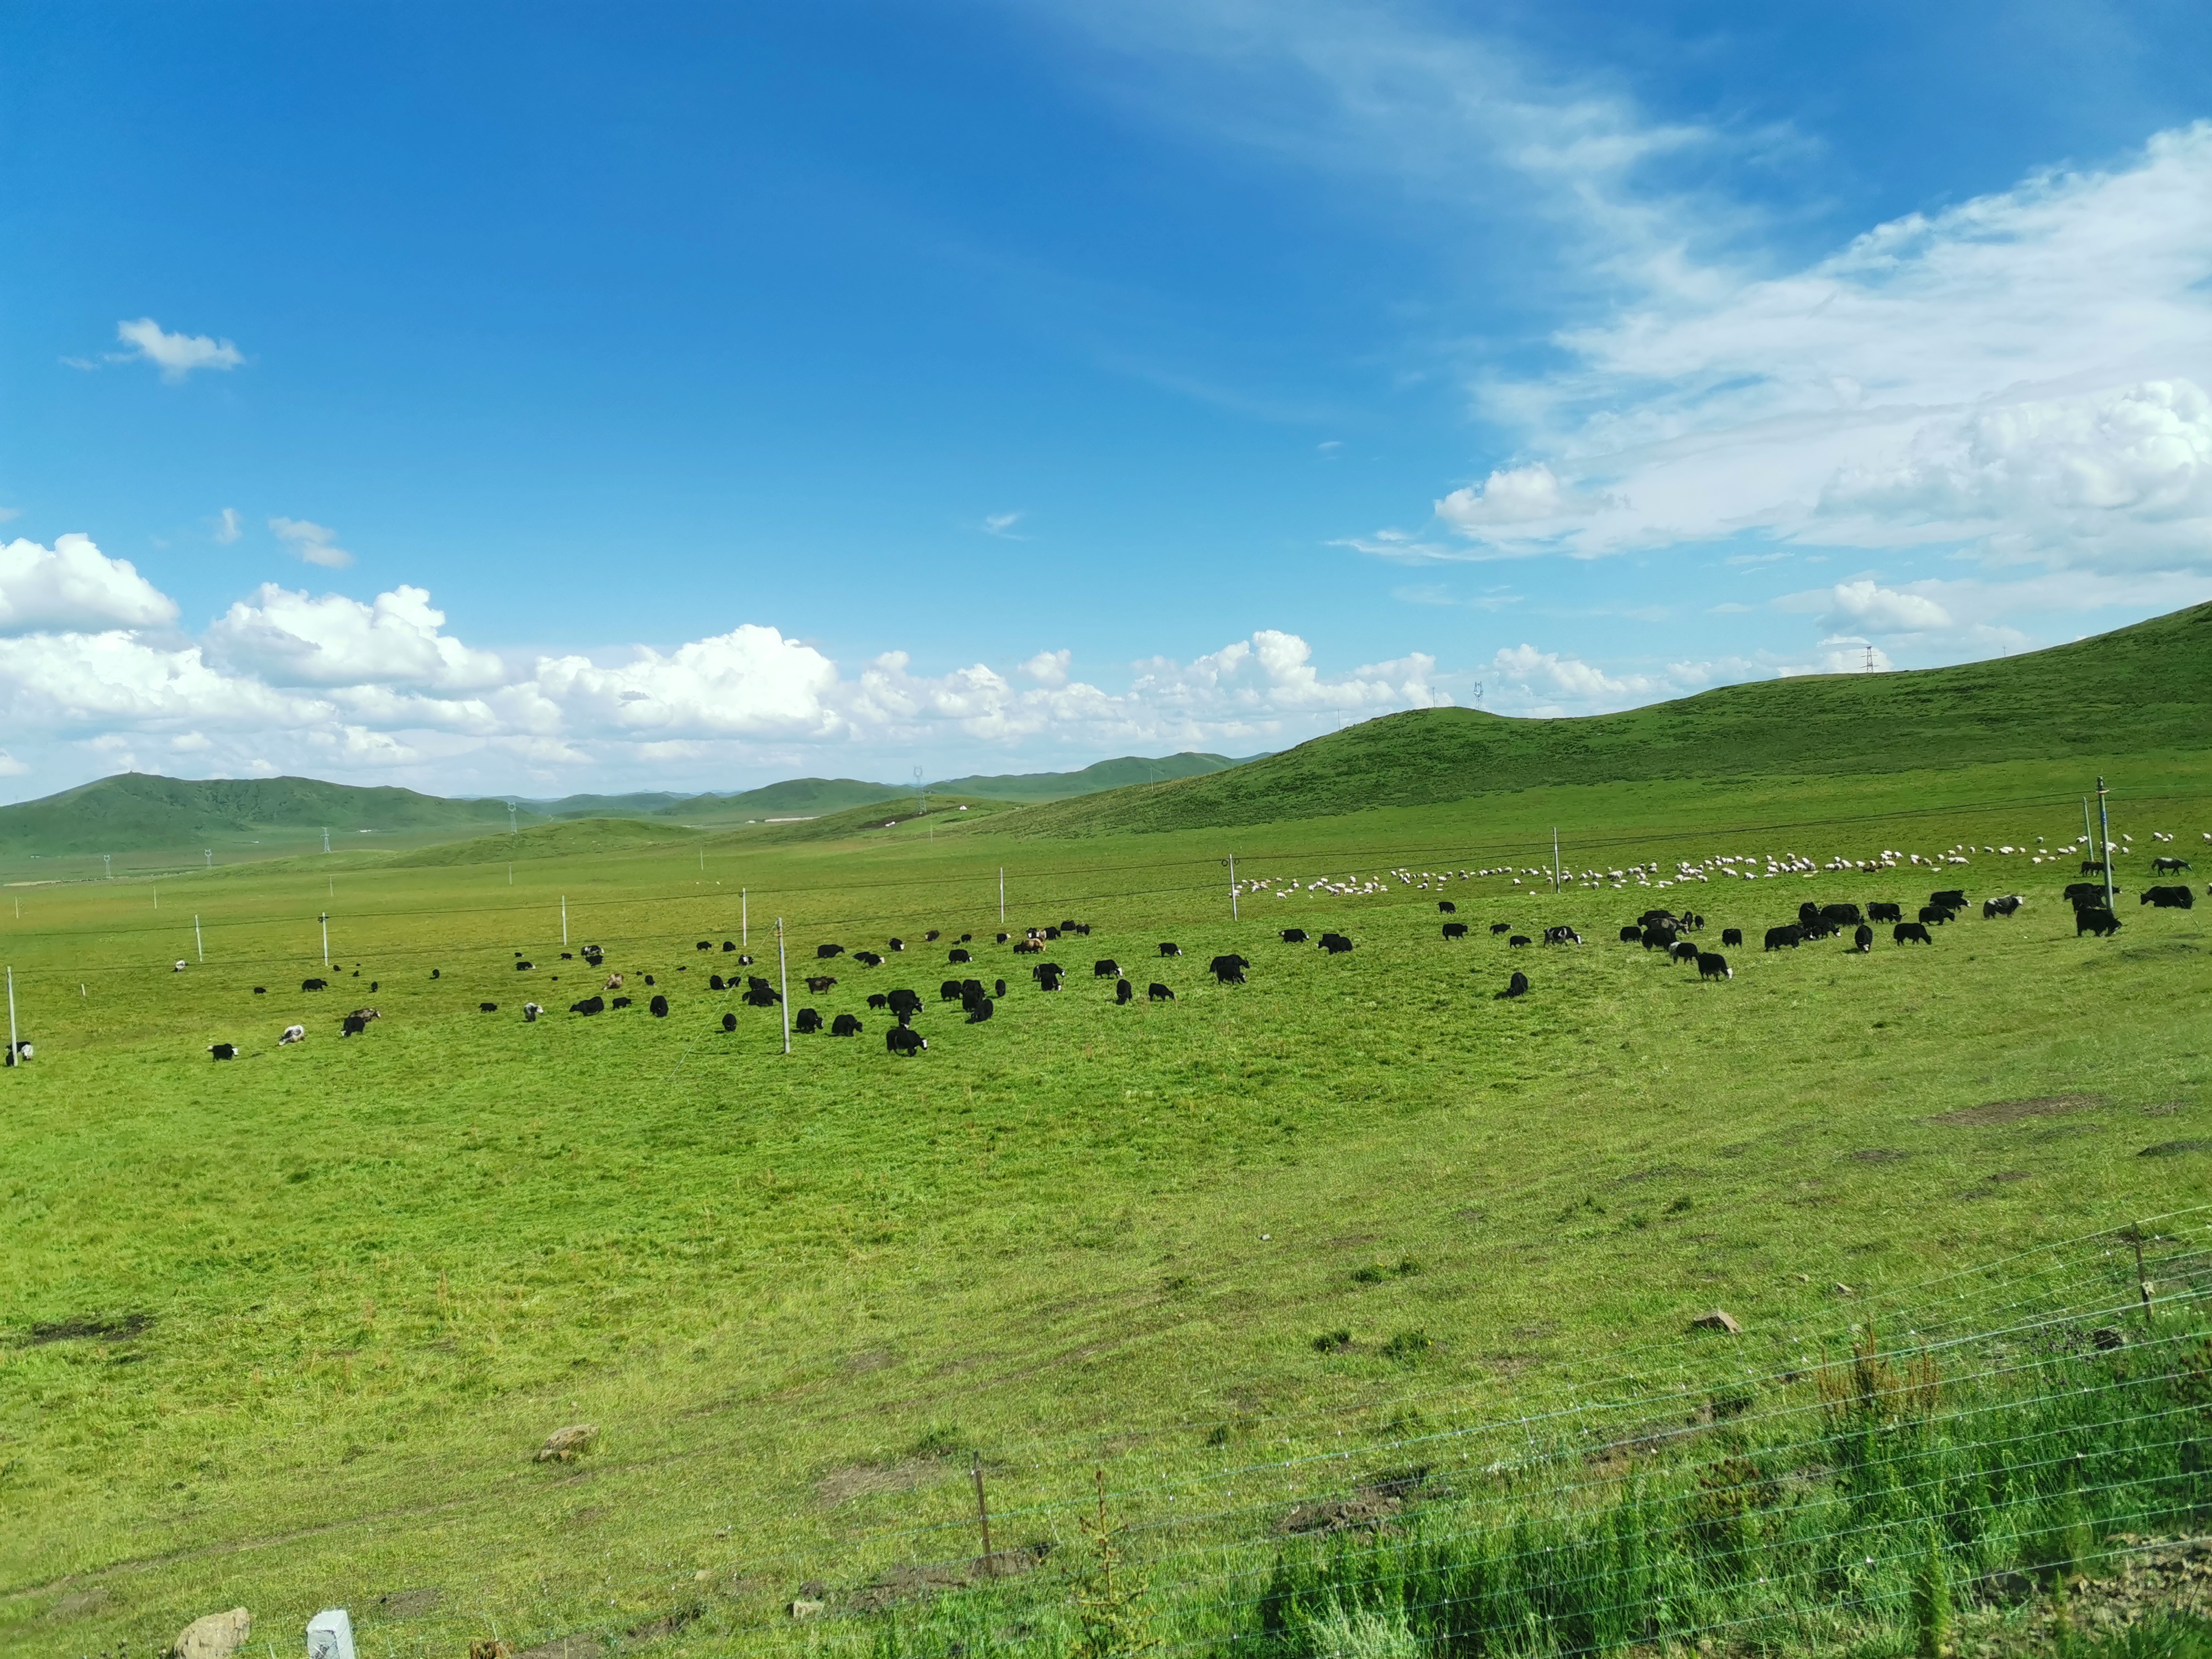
(13,1047)
(1002,895)
(199,944)
(1555,857)
(2103,819)
(1232,887)
(744,906)
(326,838)
(564,921)
(325,920)
(512,828)
(207,853)
(924,788)
(783,974)
(107,863)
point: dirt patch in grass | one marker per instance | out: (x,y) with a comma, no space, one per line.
(867,1479)
(583,1645)
(2017,1112)
(92,1327)
(904,1584)
(77,1603)
(2175,1148)
(1373,1504)
(870,1359)
(406,1604)
(2155,1578)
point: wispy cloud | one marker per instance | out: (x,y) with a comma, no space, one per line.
(227,528)
(315,543)
(1002,524)
(175,355)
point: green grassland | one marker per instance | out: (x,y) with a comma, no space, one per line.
(286,1331)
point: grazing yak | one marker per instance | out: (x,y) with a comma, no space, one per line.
(619,1002)
(877,1000)
(1228,970)
(958,956)
(895,945)
(1335,943)
(1684,952)
(1784,938)
(867,958)
(659,1008)
(1911,932)
(982,1008)
(759,993)
(1106,967)
(1562,936)
(729,1022)
(904,1042)
(1631,935)
(530,1012)
(1516,987)
(1934,916)
(588,1006)
(1454,930)
(1731,935)
(314,985)
(1840,915)
(520,967)
(807,1022)
(1167,949)
(1863,939)
(2169,898)
(2093,867)
(1497,928)
(1516,940)
(1951,898)
(1446,907)
(1047,976)
(487,1007)
(823,952)
(1880,912)
(1294,936)
(1029,947)
(1712,965)
(903,1005)
(1992,909)
(2166,867)
(949,991)
(222,1051)
(1159,993)
(1123,991)
(844,1026)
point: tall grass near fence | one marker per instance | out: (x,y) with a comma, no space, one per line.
(2003,1431)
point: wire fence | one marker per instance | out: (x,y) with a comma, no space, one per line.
(2010,1422)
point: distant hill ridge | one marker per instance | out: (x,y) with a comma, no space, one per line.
(141,812)
(2138,691)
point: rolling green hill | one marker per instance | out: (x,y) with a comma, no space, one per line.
(2139,691)
(632,806)
(793,798)
(134,811)
(572,838)
(1106,775)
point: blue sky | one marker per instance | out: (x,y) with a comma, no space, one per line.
(548,398)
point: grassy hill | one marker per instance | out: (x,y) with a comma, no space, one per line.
(1117,774)
(574,838)
(793,798)
(2139,691)
(136,810)
(631,805)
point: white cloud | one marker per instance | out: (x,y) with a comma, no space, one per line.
(1866,604)
(1519,495)
(1002,524)
(227,528)
(72,584)
(315,543)
(175,355)
(751,681)
(1841,656)
(2022,375)
(290,638)
(1049,668)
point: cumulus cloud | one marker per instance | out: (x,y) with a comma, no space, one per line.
(175,355)
(1518,496)
(315,543)
(751,681)
(1865,603)
(72,584)
(2020,379)
(290,639)
(1049,668)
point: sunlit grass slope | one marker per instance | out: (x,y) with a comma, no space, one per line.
(2141,690)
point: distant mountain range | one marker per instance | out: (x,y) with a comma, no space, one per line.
(137,814)
(803,798)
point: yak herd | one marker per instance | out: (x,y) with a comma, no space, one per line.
(1655,930)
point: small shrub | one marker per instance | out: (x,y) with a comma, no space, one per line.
(1332,1341)
(1373,1273)
(941,1440)
(1407,1347)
